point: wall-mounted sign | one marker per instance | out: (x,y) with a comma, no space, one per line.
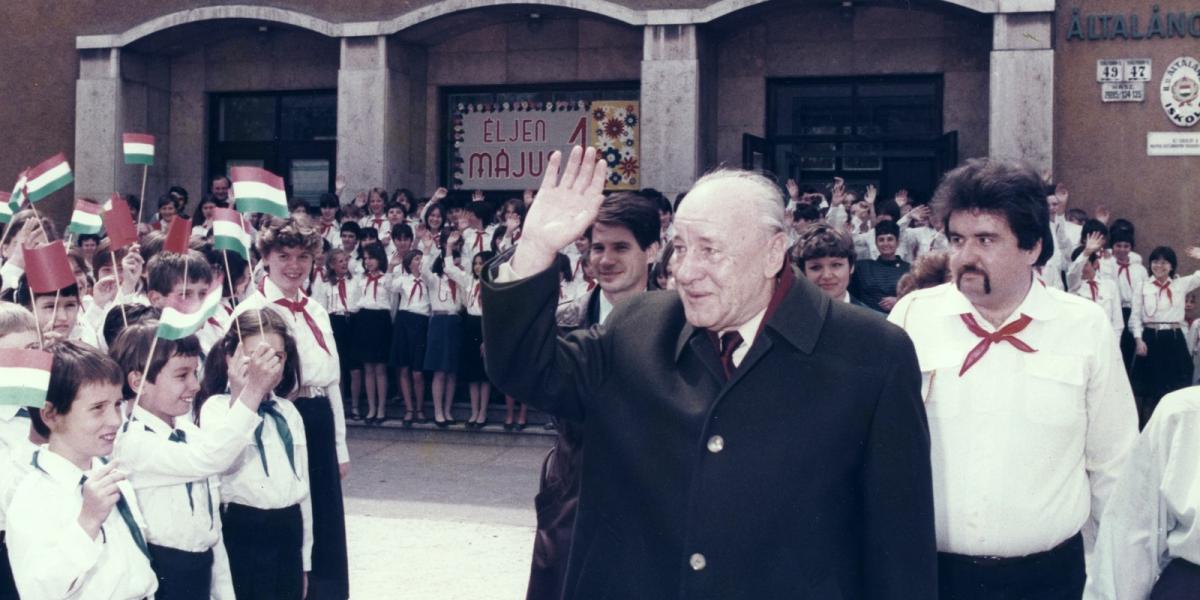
(507,146)
(1133,26)
(1123,69)
(1172,143)
(1180,90)
(1123,91)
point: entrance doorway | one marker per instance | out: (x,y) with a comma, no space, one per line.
(881,131)
(291,134)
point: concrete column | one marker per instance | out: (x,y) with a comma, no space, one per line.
(672,136)
(379,84)
(1021,115)
(97,123)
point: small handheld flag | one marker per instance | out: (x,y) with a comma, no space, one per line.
(178,235)
(118,221)
(47,268)
(24,377)
(229,232)
(51,175)
(139,148)
(174,324)
(86,218)
(258,190)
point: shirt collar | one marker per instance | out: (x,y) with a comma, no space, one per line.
(749,329)
(846,297)
(57,468)
(152,422)
(271,292)
(605,306)
(1039,304)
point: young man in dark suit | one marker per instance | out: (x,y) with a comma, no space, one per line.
(622,244)
(794,464)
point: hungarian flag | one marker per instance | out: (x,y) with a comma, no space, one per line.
(118,222)
(178,235)
(6,211)
(51,175)
(139,148)
(174,324)
(47,268)
(258,190)
(24,377)
(86,218)
(229,232)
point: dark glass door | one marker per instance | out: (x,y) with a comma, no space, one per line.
(291,134)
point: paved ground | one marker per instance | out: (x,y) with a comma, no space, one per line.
(437,520)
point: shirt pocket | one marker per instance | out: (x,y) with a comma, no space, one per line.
(940,385)
(1055,389)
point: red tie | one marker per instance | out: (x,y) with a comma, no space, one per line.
(342,291)
(298,307)
(730,341)
(1095,289)
(1004,334)
(1123,267)
(417,287)
(212,321)
(377,221)
(1165,287)
(479,241)
(475,294)
(374,280)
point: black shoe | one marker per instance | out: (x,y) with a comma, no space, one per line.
(421,418)
(508,426)
(408,419)
(441,424)
(520,427)
(481,424)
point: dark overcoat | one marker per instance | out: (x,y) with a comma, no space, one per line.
(805,475)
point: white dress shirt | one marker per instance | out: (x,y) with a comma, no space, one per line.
(330,296)
(1127,279)
(247,481)
(376,293)
(476,241)
(444,295)
(1151,516)
(16,451)
(1025,447)
(177,482)
(320,368)
(379,223)
(1155,305)
(413,292)
(53,557)
(331,233)
(1104,294)
(468,285)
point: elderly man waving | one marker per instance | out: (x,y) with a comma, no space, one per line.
(747,438)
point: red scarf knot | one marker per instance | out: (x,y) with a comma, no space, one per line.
(1004,334)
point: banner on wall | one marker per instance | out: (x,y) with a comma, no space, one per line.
(507,147)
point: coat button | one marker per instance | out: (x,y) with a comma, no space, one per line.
(716,444)
(697,562)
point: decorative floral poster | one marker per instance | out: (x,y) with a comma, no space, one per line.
(507,146)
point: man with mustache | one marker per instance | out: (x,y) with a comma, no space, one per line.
(747,437)
(1030,411)
(622,243)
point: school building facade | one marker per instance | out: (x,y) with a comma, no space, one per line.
(475,93)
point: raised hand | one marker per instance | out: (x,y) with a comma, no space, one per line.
(262,370)
(1103,214)
(438,194)
(563,209)
(793,189)
(100,495)
(1094,243)
(838,194)
(339,184)
(1194,252)
(871,193)
(477,196)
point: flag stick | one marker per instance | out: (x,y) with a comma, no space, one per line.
(36,321)
(142,198)
(54,313)
(7,230)
(117,274)
(185,277)
(232,294)
(142,381)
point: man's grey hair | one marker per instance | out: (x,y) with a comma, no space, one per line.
(764,197)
